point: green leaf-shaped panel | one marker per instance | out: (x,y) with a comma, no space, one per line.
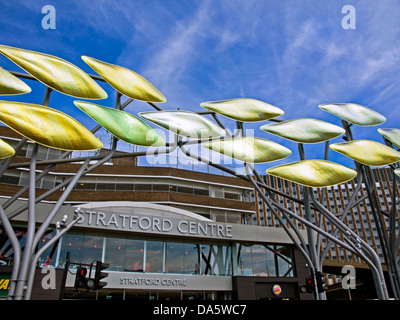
(393,135)
(244,109)
(354,113)
(304,130)
(10,84)
(6,150)
(47,126)
(314,173)
(184,123)
(122,125)
(368,152)
(125,81)
(55,73)
(249,149)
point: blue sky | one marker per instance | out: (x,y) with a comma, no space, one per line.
(292,54)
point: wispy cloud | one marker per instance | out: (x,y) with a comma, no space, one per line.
(170,64)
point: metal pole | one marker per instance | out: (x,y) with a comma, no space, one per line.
(17,252)
(281,222)
(310,236)
(392,233)
(350,247)
(342,217)
(64,279)
(30,233)
(376,213)
(36,257)
(346,230)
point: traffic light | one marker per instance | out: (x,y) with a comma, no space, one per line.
(80,278)
(309,285)
(321,281)
(99,275)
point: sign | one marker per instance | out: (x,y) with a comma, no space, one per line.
(162,281)
(153,281)
(4,284)
(276,289)
(153,224)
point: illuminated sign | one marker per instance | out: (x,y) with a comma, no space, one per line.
(276,290)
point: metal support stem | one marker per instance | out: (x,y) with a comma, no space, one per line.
(16,251)
(354,237)
(30,233)
(281,222)
(310,234)
(342,217)
(42,250)
(377,215)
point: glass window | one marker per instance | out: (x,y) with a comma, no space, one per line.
(82,249)
(245,264)
(161,187)
(262,261)
(6,250)
(105,186)
(233,196)
(154,256)
(72,243)
(124,187)
(85,186)
(182,258)
(265,260)
(143,187)
(185,190)
(92,249)
(216,260)
(9,179)
(134,255)
(174,257)
(285,263)
(115,253)
(49,256)
(201,192)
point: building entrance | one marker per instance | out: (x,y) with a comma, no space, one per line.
(166,295)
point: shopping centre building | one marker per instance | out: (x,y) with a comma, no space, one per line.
(166,233)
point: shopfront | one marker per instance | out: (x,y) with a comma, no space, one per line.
(157,253)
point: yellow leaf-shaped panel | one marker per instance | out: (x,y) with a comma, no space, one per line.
(397,172)
(314,173)
(354,113)
(125,81)
(47,126)
(304,130)
(249,149)
(10,84)
(55,73)
(184,123)
(368,152)
(122,125)
(243,109)
(6,150)
(393,135)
